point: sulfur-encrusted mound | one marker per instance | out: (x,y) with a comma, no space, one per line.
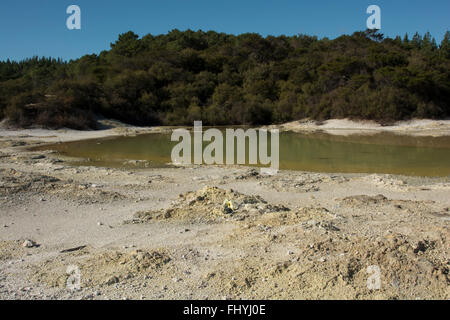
(211,204)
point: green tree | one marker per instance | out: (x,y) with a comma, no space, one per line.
(444,48)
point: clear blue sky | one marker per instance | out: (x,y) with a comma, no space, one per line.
(38,27)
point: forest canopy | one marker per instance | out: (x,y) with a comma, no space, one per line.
(224,79)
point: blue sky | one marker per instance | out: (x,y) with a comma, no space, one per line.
(38,27)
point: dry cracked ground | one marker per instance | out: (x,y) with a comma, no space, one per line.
(216,232)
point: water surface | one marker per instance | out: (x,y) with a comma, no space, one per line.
(380,153)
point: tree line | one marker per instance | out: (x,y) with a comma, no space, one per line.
(224,79)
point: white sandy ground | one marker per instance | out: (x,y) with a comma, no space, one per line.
(318,250)
(65,135)
(347,127)
(335,126)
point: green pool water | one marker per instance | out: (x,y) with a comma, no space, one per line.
(381,153)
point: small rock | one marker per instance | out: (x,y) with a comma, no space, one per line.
(29,244)
(112,280)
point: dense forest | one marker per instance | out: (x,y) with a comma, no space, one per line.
(180,77)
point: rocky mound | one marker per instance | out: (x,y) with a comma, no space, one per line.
(303,182)
(362,200)
(380,201)
(307,217)
(101,269)
(342,268)
(11,250)
(13,181)
(210,204)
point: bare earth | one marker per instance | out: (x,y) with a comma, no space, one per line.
(216,232)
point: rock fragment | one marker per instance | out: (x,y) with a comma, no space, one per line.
(29,244)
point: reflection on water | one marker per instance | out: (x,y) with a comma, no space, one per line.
(381,153)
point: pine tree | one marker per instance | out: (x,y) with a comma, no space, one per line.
(417,40)
(427,42)
(434,45)
(406,39)
(444,48)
